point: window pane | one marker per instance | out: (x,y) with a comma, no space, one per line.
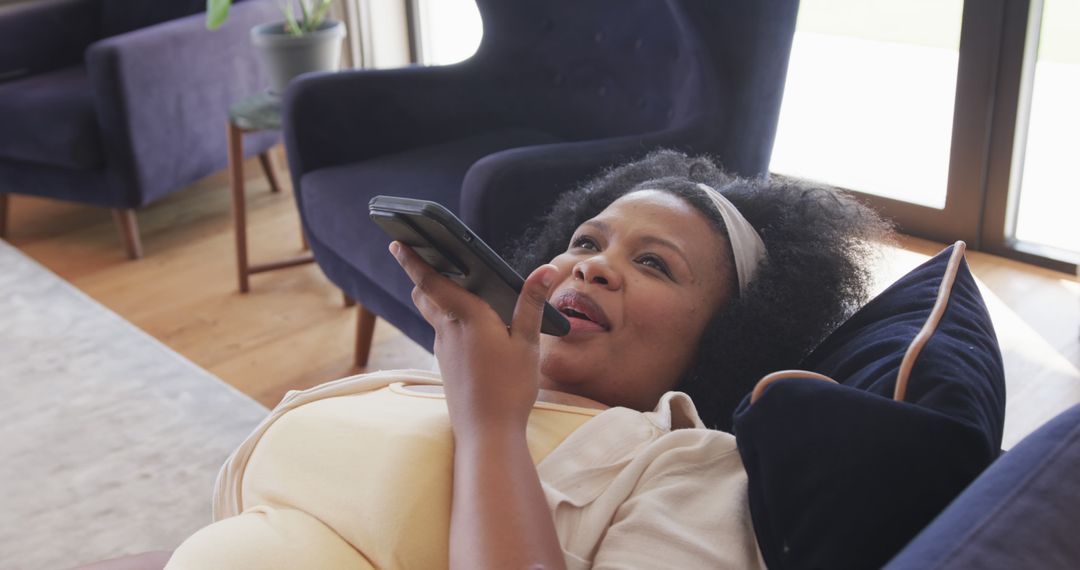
(1049,206)
(869,98)
(450,30)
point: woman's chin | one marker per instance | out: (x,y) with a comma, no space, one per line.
(562,367)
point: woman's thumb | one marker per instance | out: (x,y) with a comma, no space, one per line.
(529,311)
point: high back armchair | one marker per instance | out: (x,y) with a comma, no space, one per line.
(557,91)
(116,103)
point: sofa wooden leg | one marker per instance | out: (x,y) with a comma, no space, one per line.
(365,329)
(129,230)
(4,201)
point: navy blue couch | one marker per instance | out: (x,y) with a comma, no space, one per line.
(117,103)
(1022,512)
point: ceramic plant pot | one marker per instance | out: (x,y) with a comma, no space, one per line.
(285,56)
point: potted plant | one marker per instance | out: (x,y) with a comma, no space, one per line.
(310,42)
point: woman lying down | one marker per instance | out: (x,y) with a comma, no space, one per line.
(603,448)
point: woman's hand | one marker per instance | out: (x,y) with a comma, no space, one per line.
(499,516)
(490,371)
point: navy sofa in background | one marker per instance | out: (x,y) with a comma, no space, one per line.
(558,91)
(117,103)
(1022,512)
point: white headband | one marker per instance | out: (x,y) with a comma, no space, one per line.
(746,244)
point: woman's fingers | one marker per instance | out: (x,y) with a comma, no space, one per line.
(429,282)
(439,299)
(529,311)
(435,295)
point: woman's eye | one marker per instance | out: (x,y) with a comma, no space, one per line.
(655,263)
(584,242)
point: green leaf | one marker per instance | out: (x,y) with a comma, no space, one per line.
(216,13)
(290,19)
(320,14)
(304,15)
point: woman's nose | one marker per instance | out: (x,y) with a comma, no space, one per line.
(596,270)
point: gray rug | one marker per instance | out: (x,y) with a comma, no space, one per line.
(109,441)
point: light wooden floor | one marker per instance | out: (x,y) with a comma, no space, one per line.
(292,330)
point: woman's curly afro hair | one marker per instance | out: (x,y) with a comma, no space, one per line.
(819,244)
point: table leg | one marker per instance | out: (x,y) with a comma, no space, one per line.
(268,169)
(236,184)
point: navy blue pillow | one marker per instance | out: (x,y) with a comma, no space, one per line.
(843,476)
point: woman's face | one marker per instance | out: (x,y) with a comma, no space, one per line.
(639,283)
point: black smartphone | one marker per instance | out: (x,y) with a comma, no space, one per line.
(446,243)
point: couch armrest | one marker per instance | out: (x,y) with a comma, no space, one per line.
(506,192)
(162,95)
(1020,513)
(42,36)
(348,116)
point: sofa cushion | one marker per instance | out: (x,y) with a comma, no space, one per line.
(1020,513)
(335,205)
(49,119)
(842,475)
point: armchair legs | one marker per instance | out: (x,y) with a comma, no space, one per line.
(3,215)
(129,230)
(365,328)
(125,222)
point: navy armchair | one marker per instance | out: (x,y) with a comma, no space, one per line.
(558,91)
(116,103)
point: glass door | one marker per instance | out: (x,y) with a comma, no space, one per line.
(448,31)
(1034,206)
(958,120)
(868,103)
(894,100)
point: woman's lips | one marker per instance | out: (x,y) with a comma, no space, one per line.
(584,314)
(583,325)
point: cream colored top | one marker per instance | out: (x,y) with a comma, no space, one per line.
(357,474)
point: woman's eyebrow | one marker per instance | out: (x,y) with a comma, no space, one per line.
(654,240)
(604,228)
(648,240)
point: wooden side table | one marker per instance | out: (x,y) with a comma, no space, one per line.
(260,112)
